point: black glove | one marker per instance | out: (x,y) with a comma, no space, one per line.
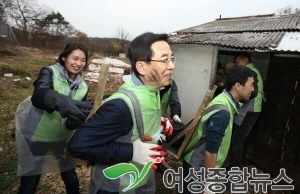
(89,102)
(73,122)
(65,105)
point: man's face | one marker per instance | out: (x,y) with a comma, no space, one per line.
(246,90)
(158,73)
(242,61)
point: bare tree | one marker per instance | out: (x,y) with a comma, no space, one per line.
(22,13)
(113,48)
(288,10)
(4,9)
(124,37)
(80,37)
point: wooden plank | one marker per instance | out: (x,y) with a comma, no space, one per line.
(103,74)
(176,138)
(192,126)
(173,153)
(189,130)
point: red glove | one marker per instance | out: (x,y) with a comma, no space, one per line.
(167,127)
(158,158)
(157,161)
(144,152)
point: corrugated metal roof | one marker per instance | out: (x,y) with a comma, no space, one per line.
(240,40)
(264,32)
(289,42)
(259,23)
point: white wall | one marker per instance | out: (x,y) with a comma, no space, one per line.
(193,69)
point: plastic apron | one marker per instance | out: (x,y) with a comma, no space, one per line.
(37,154)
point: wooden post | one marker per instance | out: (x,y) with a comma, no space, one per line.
(97,103)
(100,88)
(192,126)
(189,130)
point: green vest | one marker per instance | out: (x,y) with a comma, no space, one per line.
(196,157)
(149,99)
(150,107)
(258,99)
(51,127)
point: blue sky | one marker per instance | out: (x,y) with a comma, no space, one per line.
(102,18)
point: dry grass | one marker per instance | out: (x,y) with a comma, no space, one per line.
(25,62)
(22,62)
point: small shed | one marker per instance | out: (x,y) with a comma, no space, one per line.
(6,32)
(273,42)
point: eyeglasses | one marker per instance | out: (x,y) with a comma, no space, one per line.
(165,61)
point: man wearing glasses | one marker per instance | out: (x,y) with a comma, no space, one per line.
(111,135)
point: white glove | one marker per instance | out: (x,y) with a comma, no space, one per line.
(159,136)
(167,127)
(145,152)
(176,118)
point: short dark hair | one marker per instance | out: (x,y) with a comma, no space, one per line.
(237,74)
(140,48)
(242,55)
(69,48)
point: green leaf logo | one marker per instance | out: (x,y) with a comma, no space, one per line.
(118,170)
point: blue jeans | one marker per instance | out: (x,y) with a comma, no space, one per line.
(28,184)
(239,137)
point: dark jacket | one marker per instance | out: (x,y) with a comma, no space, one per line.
(112,124)
(42,85)
(174,103)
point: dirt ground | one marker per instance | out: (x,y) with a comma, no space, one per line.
(55,184)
